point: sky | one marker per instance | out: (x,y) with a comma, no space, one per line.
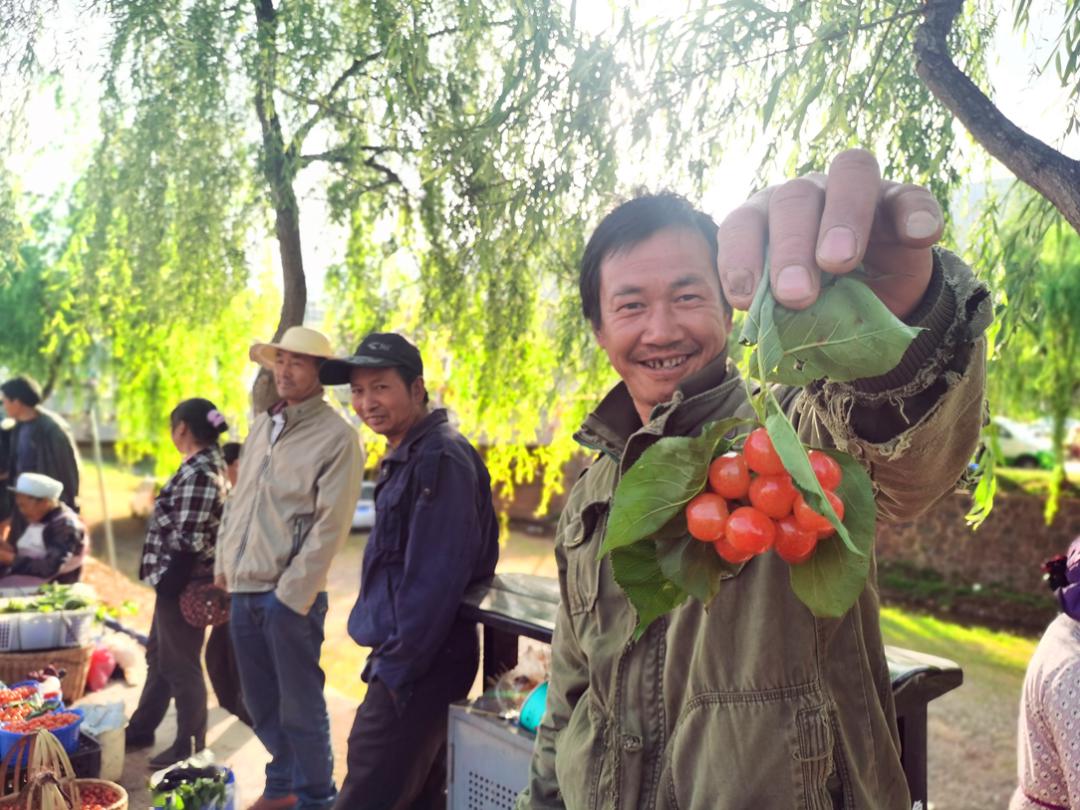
(62,125)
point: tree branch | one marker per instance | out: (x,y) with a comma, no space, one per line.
(1051,173)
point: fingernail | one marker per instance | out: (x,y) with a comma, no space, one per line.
(740,282)
(838,245)
(793,283)
(921,224)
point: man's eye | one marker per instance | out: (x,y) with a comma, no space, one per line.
(629,306)
(689,297)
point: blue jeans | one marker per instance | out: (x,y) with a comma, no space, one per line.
(277,651)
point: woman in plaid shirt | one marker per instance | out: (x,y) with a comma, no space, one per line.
(180,540)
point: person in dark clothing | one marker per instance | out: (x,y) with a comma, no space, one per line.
(180,544)
(7,503)
(220,654)
(53,542)
(40,442)
(435,534)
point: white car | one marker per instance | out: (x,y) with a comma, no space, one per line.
(363,519)
(1022,446)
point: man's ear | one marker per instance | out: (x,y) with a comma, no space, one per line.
(418,389)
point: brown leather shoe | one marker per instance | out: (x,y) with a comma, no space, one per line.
(280,803)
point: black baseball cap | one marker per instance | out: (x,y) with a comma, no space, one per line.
(377,350)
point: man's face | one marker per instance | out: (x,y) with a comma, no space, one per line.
(12,407)
(33,509)
(387,406)
(296,376)
(662,317)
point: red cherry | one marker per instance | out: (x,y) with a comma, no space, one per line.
(812,521)
(730,553)
(773,494)
(760,454)
(729,476)
(749,530)
(826,470)
(706,517)
(794,544)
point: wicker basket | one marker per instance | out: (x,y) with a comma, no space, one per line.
(14,667)
(119,804)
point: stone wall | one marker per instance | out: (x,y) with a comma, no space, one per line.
(1007,550)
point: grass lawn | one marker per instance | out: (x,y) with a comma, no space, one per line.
(972,760)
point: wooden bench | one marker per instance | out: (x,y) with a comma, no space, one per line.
(515,605)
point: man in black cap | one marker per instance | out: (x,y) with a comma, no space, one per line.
(435,534)
(40,442)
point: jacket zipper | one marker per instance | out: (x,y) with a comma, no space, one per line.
(258,492)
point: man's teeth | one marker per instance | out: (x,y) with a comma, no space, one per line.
(671,362)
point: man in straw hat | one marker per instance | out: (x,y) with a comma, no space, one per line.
(286,519)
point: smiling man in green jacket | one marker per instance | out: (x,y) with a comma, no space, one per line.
(755,703)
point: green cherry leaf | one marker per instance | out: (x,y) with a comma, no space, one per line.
(690,564)
(661,482)
(791,451)
(637,571)
(830,582)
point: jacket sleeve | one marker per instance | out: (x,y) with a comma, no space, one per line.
(62,539)
(917,427)
(568,682)
(337,491)
(445,541)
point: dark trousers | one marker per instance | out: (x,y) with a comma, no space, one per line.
(397,753)
(278,653)
(224,673)
(174,672)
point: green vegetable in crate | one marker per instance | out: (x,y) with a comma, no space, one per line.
(191,788)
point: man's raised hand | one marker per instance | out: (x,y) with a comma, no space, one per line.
(831,224)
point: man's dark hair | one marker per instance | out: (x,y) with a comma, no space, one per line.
(408,375)
(23,388)
(628,225)
(231,451)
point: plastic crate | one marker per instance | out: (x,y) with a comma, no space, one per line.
(67,735)
(487,761)
(9,631)
(61,628)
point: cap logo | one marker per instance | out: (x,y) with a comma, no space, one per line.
(379,347)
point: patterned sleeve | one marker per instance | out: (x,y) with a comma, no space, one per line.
(1062,714)
(191,523)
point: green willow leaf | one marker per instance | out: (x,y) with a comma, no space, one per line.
(637,571)
(834,576)
(661,482)
(792,452)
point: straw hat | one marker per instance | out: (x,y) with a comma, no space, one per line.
(298,340)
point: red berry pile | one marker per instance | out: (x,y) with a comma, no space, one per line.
(48,721)
(751,505)
(17,694)
(98,797)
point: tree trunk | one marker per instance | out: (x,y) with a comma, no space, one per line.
(1054,175)
(279,171)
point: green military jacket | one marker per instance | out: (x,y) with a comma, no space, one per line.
(752,703)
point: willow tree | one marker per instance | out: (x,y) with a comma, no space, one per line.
(901,78)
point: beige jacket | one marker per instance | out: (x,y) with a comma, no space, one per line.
(292,506)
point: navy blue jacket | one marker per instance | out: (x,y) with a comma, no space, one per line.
(435,534)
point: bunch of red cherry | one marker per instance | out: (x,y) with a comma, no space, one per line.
(751,505)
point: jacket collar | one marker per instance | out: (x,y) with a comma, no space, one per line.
(425,426)
(615,420)
(299,411)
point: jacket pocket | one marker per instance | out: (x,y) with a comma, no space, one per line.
(301,528)
(579,754)
(746,751)
(582,567)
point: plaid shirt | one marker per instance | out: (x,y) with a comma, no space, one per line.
(187,513)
